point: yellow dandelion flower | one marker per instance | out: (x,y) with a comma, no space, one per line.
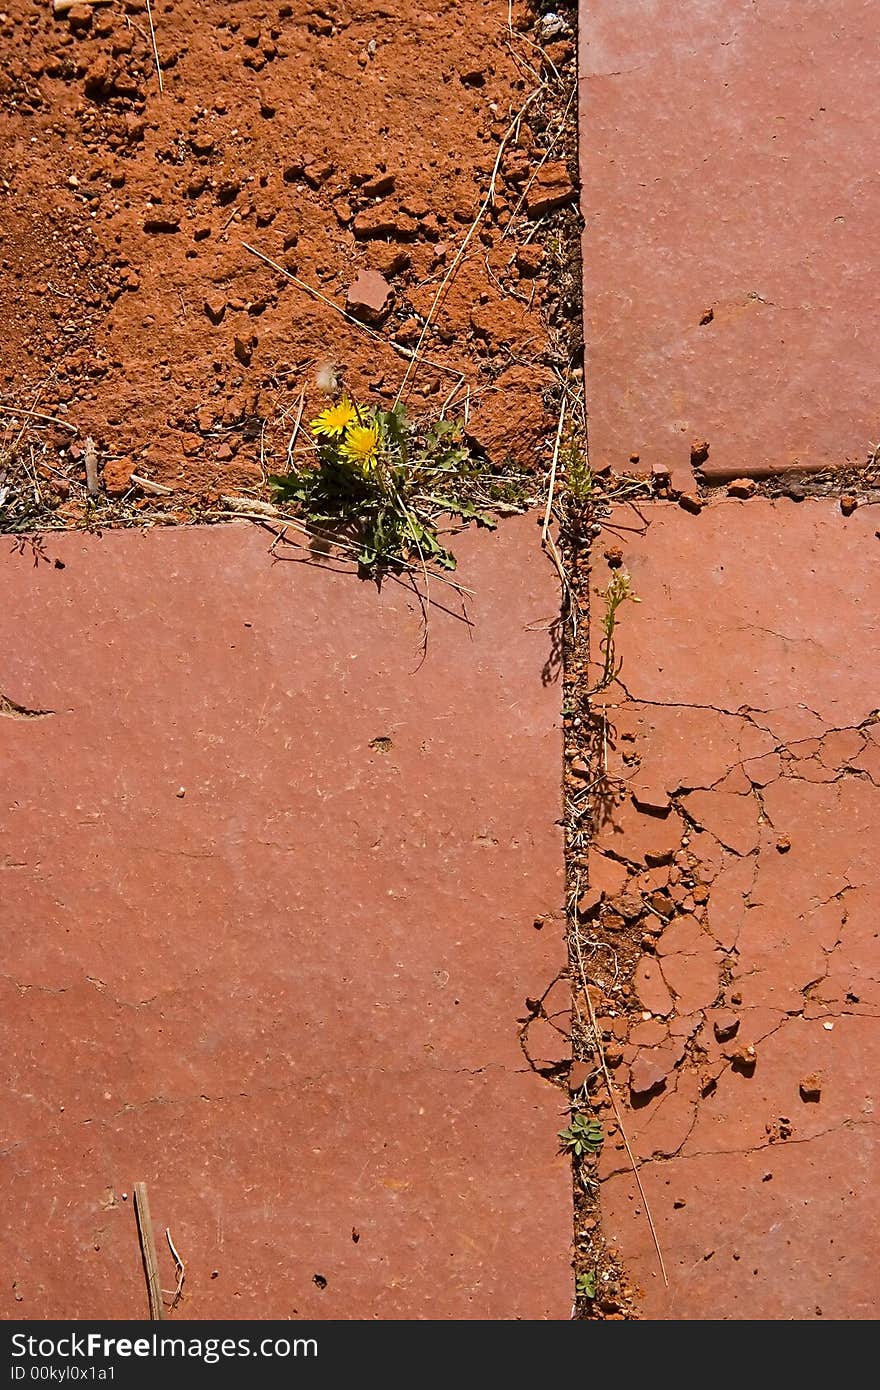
(335,420)
(361,446)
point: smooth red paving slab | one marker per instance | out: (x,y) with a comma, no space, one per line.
(269,900)
(729,171)
(752,716)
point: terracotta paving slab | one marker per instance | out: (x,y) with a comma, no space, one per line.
(748,751)
(269,901)
(729,171)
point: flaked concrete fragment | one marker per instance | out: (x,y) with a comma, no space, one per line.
(651,988)
(647,1073)
(810,1087)
(369,296)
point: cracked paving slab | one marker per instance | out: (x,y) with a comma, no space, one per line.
(741,810)
(275,897)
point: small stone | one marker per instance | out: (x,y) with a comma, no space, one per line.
(116,476)
(699,453)
(161,223)
(317,173)
(661,903)
(528,260)
(796,492)
(369,296)
(744,1060)
(726,1026)
(690,502)
(408,333)
(706,317)
(783,844)
(551,189)
(228,190)
(742,487)
(378,186)
(811,1087)
(244,349)
(383,221)
(389,260)
(215,308)
(848,505)
(628,905)
(79,16)
(648,1033)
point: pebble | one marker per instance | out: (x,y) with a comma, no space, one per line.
(690,502)
(742,487)
(215,308)
(551,189)
(726,1026)
(369,296)
(811,1087)
(528,260)
(384,222)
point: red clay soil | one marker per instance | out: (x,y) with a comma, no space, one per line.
(332,139)
(734,873)
(270,931)
(732,238)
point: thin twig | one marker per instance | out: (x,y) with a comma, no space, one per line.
(149,486)
(38,415)
(539,166)
(459,255)
(296,424)
(552,484)
(597,1043)
(402,351)
(90,459)
(181,1271)
(155,49)
(148,1251)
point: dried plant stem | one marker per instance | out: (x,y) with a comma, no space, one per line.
(291,443)
(155,48)
(181,1270)
(314,534)
(409,353)
(148,1251)
(552,484)
(38,415)
(459,256)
